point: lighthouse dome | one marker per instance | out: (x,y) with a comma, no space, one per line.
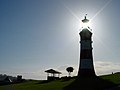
(85,34)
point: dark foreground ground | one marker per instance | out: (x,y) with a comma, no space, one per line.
(106,82)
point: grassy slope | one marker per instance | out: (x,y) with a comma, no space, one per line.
(115,78)
(56,85)
(36,85)
(1,88)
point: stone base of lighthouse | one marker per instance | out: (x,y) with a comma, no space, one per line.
(86,73)
(86,68)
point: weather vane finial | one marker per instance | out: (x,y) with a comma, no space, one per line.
(85,16)
(85,20)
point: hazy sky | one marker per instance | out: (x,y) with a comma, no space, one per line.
(36,35)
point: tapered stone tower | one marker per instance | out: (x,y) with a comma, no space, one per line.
(86,67)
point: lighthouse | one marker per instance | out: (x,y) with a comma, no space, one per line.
(86,67)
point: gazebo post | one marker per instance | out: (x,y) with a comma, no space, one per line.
(58,74)
(53,74)
(47,74)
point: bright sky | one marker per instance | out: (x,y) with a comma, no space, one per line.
(36,35)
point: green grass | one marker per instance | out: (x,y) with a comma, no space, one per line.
(1,88)
(56,85)
(36,85)
(115,78)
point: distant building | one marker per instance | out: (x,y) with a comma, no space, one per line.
(7,80)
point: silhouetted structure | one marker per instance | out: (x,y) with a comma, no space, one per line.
(19,78)
(7,80)
(53,74)
(86,79)
(86,68)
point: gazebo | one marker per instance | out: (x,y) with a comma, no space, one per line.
(51,74)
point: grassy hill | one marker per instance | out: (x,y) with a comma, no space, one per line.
(103,82)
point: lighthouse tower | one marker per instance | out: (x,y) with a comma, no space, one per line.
(86,67)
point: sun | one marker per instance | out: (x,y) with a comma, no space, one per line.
(85,23)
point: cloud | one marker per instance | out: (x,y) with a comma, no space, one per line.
(36,74)
(104,67)
(101,68)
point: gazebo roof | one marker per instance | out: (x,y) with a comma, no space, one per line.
(53,71)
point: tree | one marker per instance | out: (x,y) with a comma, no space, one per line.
(69,70)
